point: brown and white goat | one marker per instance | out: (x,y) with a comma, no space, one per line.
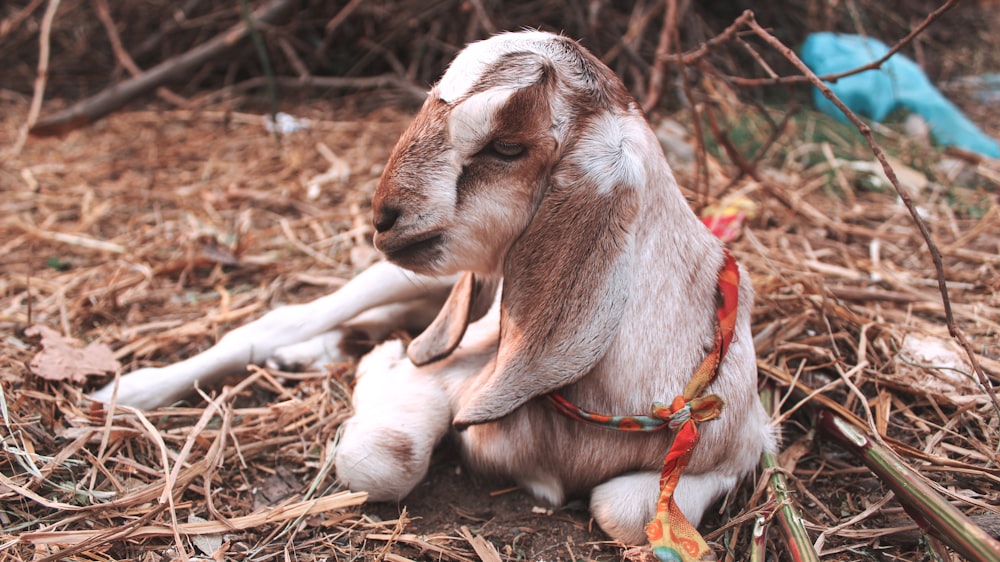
(531,184)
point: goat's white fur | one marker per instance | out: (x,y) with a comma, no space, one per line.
(477,58)
(608,295)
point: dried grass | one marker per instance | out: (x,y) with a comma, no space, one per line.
(155,231)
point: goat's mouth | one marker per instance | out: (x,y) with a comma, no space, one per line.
(417,252)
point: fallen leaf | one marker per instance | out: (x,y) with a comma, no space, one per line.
(277,488)
(208,544)
(62,358)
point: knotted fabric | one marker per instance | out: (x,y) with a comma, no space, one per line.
(670,534)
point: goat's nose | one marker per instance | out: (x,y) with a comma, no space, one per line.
(385,217)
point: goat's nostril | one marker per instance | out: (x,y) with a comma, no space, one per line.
(385,218)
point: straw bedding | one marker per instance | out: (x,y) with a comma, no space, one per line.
(144,237)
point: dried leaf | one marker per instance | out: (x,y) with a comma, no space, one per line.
(62,358)
(208,544)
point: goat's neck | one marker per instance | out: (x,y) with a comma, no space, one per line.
(670,318)
(668,229)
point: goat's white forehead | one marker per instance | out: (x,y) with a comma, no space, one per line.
(470,64)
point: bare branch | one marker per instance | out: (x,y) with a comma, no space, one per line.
(866,132)
(41,77)
(874,65)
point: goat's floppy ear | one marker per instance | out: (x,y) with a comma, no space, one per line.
(566,284)
(470,299)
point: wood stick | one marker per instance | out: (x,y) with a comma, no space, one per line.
(874,65)
(41,78)
(121,55)
(658,71)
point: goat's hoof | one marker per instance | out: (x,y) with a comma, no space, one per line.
(310,355)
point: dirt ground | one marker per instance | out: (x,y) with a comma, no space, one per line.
(156,230)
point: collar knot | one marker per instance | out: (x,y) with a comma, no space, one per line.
(680,417)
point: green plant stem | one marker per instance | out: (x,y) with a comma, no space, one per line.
(930,511)
(793,531)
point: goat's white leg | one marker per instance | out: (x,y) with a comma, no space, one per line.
(400,414)
(623,505)
(697,492)
(379,285)
(311,354)
(365,330)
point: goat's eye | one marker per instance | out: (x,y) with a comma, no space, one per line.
(508,149)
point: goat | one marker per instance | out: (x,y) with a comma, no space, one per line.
(531,186)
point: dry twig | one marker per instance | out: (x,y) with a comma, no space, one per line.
(41,77)
(890,173)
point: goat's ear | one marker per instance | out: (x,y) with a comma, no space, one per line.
(566,285)
(470,299)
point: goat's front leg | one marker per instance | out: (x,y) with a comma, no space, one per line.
(379,285)
(623,505)
(400,414)
(362,333)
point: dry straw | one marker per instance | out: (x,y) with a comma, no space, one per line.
(156,230)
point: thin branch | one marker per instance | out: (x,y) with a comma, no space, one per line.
(333,24)
(637,25)
(14,22)
(701,177)
(866,132)
(42,76)
(262,55)
(744,167)
(656,74)
(483,18)
(695,55)
(124,59)
(293,58)
(874,65)
(179,19)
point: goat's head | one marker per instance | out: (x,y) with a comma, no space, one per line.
(524,162)
(466,178)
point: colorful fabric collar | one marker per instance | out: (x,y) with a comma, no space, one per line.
(671,535)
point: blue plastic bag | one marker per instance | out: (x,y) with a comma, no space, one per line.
(899,83)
